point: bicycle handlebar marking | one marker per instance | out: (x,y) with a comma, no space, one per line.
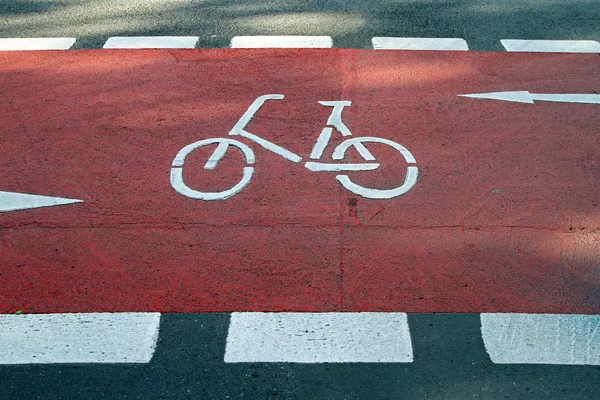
(334,121)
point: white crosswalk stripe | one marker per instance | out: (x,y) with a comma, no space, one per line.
(393,43)
(78,338)
(12,44)
(249,42)
(542,338)
(552,46)
(319,338)
(151,42)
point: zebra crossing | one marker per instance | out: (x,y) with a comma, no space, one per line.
(378,43)
(556,339)
(451,361)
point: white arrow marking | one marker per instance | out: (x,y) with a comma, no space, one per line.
(526,97)
(10,201)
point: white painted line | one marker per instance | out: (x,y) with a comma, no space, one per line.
(151,42)
(552,46)
(326,167)
(335,118)
(10,201)
(530,98)
(281,42)
(78,338)
(322,142)
(319,338)
(177,172)
(393,43)
(11,44)
(240,126)
(412,173)
(542,338)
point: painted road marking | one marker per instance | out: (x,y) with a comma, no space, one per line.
(379,43)
(78,338)
(552,46)
(239,129)
(526,97)
(319,338)
(323,167)
(151,42)
(542,338)
(291,240)
(10,201)
(450,362)
(10,44)
(223,144)
(335,120)
(548,339)
(394,43)
(249,42)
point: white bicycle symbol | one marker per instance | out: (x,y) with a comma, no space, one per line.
(334,121)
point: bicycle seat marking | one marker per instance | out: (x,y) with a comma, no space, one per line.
(333,122)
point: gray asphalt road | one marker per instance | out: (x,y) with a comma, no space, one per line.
(450,363)
(351,23)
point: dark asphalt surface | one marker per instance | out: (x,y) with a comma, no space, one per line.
(450,363)
(351,23)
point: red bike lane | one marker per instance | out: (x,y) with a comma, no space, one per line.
(504,215)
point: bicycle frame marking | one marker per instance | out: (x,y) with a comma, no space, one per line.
(238,129)
(334,121)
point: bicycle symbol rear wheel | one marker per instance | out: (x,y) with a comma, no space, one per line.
(410,179)
(223,144)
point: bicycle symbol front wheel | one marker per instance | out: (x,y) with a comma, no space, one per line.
(179,185)
(410,179)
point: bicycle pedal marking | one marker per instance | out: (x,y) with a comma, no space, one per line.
(333,122)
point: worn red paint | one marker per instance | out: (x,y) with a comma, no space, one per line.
(504,216)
